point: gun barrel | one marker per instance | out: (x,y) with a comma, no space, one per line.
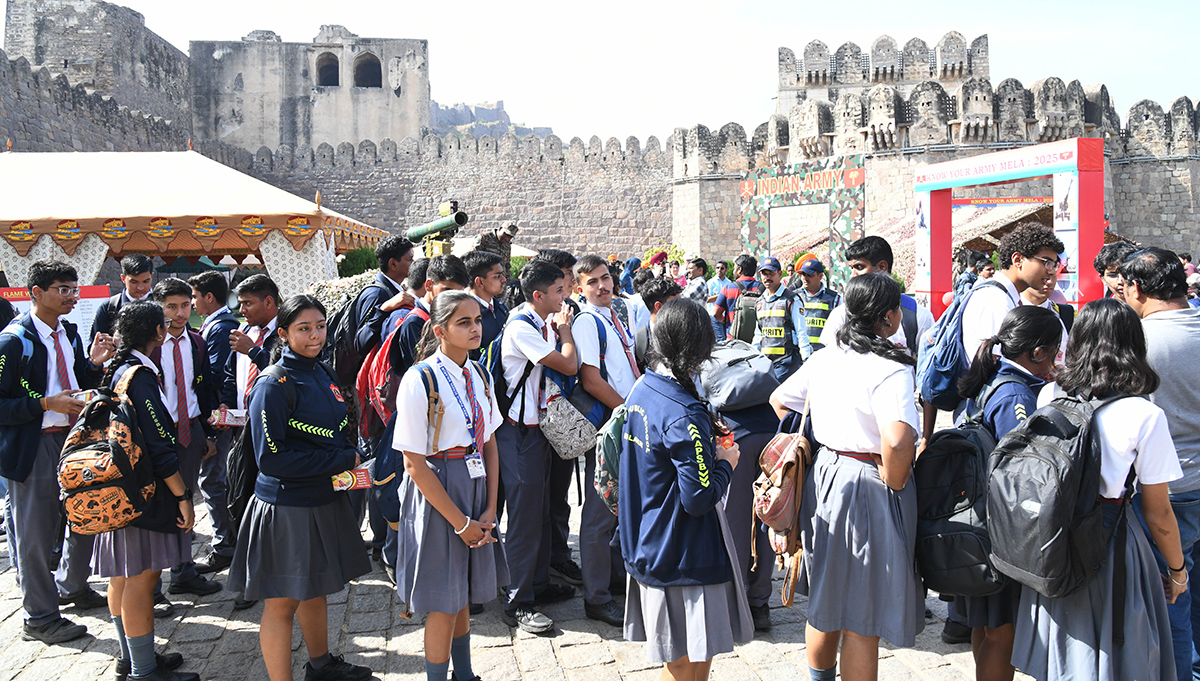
(450,224)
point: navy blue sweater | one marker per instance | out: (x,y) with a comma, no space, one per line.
(1011,404)
(368,318)
(299,452)
(158,444)
(671,483)
(22,384)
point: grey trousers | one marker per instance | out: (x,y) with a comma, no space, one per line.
(598,559)
(189,470)
(525,472)
(739,511)
(214,486)
(560,509)
(35,524)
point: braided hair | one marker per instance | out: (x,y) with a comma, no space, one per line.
(869,297)
(682,340)
(137,326)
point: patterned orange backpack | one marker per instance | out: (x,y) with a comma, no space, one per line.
(105,482)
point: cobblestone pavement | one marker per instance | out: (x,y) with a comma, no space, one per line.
(222,645)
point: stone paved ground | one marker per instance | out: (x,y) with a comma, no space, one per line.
(222,645)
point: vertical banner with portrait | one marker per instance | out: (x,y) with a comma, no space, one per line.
(1066,227)
(923,279)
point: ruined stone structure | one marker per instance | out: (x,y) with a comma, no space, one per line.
(819,74)
(262,91)
(104,47)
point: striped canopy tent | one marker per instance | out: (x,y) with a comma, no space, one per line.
(85,207)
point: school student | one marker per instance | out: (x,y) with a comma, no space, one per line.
(210,292)
(133,557)
(639,311)
(780,332)
(859,512)
(1028,343)
(686,599)
(182,361)
(1041,296)
(298,541)
(1072,636)
(394,255)
(608,378)
(655,292)
(250,346)
(37,408)
(1108,265)
(137,275)
(1155,288)
(485,270)
(527,346)
(443,273)
(448,551)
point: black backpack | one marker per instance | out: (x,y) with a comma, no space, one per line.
(1044,506)
(951,476)
(339,346)
(242,467)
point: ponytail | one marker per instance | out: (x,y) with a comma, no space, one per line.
(983,369)
(1024,329)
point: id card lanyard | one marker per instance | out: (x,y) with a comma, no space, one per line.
(474,460)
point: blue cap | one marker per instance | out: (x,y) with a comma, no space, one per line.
(812,266)
(770,264)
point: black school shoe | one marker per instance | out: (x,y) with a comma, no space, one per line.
(553,593)
(609,613)
(198,585)
(568,571)
(168,662)
(338,669)
(215,563)
(161,674)
(955,633)
(60,630)
(527,619)
(761,614)
(163,607)
(87,599)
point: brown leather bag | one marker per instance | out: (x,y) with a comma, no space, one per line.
(777,495)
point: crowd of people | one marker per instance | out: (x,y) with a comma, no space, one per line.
(475,355)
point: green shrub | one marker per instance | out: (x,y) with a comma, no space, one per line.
(357,261)
(515,263)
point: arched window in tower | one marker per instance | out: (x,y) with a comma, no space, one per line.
(367,71)
(327,70)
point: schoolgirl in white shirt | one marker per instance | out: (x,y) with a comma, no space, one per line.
(858,512)
(1072,637)
(448,555)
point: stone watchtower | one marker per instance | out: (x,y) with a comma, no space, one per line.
(818,74)
(261,91)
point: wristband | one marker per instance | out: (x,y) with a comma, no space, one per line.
(186,496)
(1178,569)
(42,401)
(464,527)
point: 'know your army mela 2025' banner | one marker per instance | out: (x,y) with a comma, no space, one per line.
(810,206)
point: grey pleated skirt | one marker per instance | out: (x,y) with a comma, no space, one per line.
(700,621)
(435,571)
(130,551)
(300,552)
(992,611)
(858,569)
(1072,637)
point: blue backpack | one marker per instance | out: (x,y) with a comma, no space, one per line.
(490,359)
(942,359)
(388,469)
(591,408)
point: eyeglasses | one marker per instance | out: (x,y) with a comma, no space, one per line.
(1047,262)
(66,291)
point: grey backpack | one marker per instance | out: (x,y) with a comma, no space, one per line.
(738,376)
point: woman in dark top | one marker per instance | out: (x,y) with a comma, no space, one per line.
(133,557)
(298,540)
(1002,393)
(685,598)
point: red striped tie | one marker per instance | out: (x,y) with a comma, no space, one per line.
(181,408)
(476,412)
(621,333)
(64,378)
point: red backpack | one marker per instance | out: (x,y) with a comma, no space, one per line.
(377,384)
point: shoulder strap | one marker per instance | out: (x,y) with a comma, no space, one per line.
(277,372)
(982,399)
(122,387)
(601,336)
(487,378)
(436,411)
(420,312)
(15,328)
(908,321)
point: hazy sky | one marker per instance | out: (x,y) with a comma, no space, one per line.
(643,68)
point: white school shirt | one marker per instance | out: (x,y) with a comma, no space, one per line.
(1133,431)
(837,318)
(168,374)
(853,397)
(522,343)
(53,419)
(985,312)
(242,368)
(639,314)
(412,407)
(587,342)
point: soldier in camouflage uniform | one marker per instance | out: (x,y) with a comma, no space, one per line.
(499,241)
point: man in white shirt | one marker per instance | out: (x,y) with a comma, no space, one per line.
(182,361)
(527,346)
(607,372)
